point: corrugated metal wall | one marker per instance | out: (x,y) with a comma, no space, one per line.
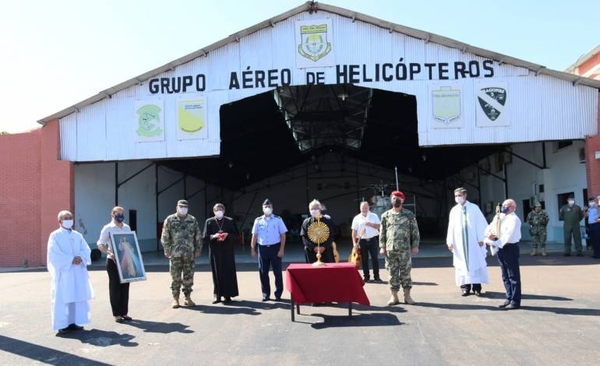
(538,107)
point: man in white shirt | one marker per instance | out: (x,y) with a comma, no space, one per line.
(68,257)
(466,231)
(365,233)
(507,244)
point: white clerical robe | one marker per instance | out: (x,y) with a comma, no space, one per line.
(466,228)
(71,286)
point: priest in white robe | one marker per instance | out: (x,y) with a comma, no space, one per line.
(466,232)
(68,257)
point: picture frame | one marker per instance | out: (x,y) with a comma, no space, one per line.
(128,257)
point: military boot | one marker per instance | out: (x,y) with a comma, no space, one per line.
(533,252)
(394,299)
(175,302)
(188,301)
(544,252)
(407,299)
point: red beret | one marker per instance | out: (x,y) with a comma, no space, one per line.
(398,194)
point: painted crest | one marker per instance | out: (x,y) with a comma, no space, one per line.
(314,45)
(492,100)
(149,121)
(446,104)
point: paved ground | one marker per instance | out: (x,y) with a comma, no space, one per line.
(559,322)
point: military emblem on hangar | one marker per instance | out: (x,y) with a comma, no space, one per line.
(446,104)
(492,101)
(315,44)
(149,120)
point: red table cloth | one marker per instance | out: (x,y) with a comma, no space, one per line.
(332,282)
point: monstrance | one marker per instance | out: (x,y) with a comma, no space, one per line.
(318,232)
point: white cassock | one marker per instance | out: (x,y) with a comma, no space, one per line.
(467,222)
(71,286)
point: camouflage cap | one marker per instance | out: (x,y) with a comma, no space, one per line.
(182,203)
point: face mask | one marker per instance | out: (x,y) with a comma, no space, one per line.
(67,224)
(571,202)
(459,199)
(219,214)
(592,204)
(119,218)
(182,210)
(397,203)
(315,213)
(504,209)
(267,210)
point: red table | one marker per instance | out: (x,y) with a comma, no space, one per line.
(332,282)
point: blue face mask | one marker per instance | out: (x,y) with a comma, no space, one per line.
(504,209)
(119,218)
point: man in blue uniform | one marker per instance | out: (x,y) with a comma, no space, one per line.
(268,241)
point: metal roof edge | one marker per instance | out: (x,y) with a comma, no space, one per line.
(316,6)
(582,59)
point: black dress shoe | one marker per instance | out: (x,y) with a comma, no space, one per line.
(277,298)
(266,298)
(465,293)
(477,293)
(126,318)
(227,299)
(505,304)
(366,279)
(216,300)
(377,279)
(567,255)
(64,331)
(75,327)
(512,307)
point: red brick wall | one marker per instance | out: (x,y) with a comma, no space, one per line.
(19,199)
(592,144)
(34,187)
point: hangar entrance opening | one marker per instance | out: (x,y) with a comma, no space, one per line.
(344,142)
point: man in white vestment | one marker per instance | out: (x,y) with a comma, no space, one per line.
(466,231)
(68,257)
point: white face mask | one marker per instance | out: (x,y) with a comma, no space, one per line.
(219,214)
(592,204)
(460,200)
(571,202)
(182,210)
(67,224)
(315,213)
(267,210)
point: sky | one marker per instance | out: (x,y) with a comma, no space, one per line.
(54,54)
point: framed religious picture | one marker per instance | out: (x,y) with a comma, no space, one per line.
(128,257)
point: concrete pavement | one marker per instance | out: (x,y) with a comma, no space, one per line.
(559,322)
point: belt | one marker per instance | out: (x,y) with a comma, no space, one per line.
(269,245)
(369,239)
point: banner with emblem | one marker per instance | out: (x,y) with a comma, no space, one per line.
(150,120)
(446,105)
(492,103)
(191,118)
(314,43)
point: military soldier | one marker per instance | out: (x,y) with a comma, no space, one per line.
(572,214)
(398,240)
(181,240)
(538,219)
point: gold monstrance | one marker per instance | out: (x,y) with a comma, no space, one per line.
(318,232)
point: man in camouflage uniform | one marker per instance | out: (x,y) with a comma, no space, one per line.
(398,240)
(538,219)
(182,242)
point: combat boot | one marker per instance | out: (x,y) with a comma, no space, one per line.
(188,301)
(544,252)
(394,299)
(407,299)
(533,252)
(175,302)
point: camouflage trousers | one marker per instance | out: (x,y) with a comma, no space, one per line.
(538,238)
(399,264)
(182,275)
